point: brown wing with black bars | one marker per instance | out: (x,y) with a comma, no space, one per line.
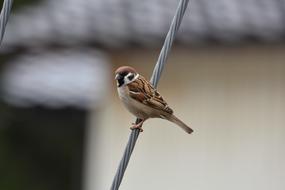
(142,91)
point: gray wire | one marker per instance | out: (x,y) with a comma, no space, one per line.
(154,80)
(168,42)
(5,12)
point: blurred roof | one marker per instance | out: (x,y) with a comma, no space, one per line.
(56,79)
(72,77)
(114,23)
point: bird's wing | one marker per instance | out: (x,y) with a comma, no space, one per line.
(141,90)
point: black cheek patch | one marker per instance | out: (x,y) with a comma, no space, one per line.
(131,77)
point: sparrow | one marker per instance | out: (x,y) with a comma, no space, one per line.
(142,99)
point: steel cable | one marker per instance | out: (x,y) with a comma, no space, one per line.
(154,80)
(5,12)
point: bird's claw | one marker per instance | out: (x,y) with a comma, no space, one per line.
(137,126)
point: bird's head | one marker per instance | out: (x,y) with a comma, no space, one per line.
(125,75)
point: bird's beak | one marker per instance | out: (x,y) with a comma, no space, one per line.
(118,76)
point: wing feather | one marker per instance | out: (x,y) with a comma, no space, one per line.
(142,91)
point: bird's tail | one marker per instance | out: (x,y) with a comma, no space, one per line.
(177,121)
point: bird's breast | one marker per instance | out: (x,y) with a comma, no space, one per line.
(136,108)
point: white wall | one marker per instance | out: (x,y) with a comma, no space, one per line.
(234,99)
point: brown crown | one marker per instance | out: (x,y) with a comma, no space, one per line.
(127,69)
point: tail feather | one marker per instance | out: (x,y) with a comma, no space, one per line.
(177,121)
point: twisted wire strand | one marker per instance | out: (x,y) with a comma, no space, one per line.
(5,12)
(154,80)
(168,42)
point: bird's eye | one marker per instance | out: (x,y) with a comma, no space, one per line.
(131,77)
(124,73)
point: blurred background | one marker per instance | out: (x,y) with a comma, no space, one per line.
(62,126)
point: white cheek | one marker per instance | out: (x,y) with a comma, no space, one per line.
(127,80)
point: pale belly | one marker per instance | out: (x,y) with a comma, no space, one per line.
(136,108)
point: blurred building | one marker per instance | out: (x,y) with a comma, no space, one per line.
(64,127)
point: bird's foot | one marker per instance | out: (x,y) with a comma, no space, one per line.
(137,126)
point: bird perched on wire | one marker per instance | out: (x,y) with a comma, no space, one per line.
(142,99)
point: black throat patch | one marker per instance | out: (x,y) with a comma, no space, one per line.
(120,82)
